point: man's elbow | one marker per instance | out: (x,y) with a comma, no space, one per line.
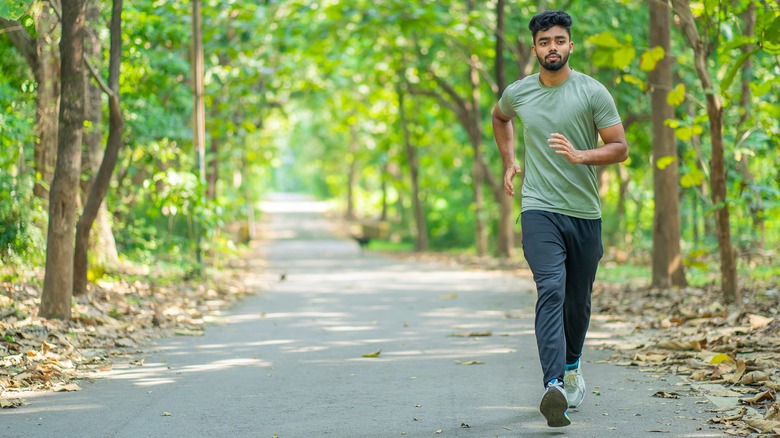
(623,156)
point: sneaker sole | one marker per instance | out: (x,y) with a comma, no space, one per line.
(554,407)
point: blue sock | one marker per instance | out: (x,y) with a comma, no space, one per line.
(572,366)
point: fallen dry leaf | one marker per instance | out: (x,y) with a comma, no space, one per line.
(167,414)
(664,394)
(759,322)
(9,403)
(472,334)
(763,426)
(758,398)
(70,387)
(448,297)
(470,362)
(754,377)
(374,354)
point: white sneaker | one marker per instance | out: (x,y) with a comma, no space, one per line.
(553,405)
(574,385)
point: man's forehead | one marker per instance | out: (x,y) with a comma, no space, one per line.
(547,37)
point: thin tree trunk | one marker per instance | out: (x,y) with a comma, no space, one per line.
(48,100)
(506,226)
(100,185)
(352,172)
(102,242)
(743,165)
(668,268)
(198,118)
(728,264)
(421,227)
(58,279)
(42,55)
(212,172)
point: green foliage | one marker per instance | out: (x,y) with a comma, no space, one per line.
(13,9)
(298,91)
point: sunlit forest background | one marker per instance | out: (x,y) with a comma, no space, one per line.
(383,107)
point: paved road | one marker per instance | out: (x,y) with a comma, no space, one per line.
(289,361)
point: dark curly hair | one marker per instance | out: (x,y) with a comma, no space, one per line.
(548,19)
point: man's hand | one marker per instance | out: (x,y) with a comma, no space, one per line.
(563,147)
(509,175)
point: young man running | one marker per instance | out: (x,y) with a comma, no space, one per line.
(563,113)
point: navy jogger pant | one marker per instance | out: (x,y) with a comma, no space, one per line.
(563,253)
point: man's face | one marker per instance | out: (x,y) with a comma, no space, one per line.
(552,48)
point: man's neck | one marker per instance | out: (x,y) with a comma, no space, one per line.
(550,78)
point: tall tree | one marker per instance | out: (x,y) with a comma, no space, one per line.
(58,279)
(198,111)
(102,242)
(42,55)
(421,226)
(100,183)
(668,267)
(702,50)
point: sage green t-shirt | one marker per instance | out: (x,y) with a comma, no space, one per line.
(576,108)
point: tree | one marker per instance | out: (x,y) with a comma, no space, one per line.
(41,54)
(100,183)
(668,266)
(58,278)
(702,50)
(421,226)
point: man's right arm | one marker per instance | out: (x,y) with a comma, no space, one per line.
(505,140)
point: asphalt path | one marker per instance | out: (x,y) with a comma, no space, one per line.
(289,362)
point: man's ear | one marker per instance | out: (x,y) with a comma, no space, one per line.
(571,47)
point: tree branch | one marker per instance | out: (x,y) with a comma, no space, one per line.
(91,67)
(21,39)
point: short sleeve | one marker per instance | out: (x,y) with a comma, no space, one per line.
(507,102)
(605,113)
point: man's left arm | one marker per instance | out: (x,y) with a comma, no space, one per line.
(614,149)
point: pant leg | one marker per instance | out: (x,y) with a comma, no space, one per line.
(584,250)
(545,253)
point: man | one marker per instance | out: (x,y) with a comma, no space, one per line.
(563,112)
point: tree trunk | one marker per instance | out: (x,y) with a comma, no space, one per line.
(506,226)
(42,55)
(212,172)
(421,226)
(48,81)
(58,279)
(102,180)
(743,165)
(198,119)
(102,242)
(668,268)
(352,172)
(728,264)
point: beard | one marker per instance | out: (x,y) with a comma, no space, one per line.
(554,65)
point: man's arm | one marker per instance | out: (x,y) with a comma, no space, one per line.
(504,134)
(614,149)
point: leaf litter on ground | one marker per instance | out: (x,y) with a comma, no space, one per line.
(687,332)
(110,324)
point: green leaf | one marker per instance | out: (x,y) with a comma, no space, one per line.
(14,9)
(623,57)
(693,178)
(665,162)
(676,96)
(650,58)
(731,74)
(605,39)
(773,31)
(631,79)
(685,133)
